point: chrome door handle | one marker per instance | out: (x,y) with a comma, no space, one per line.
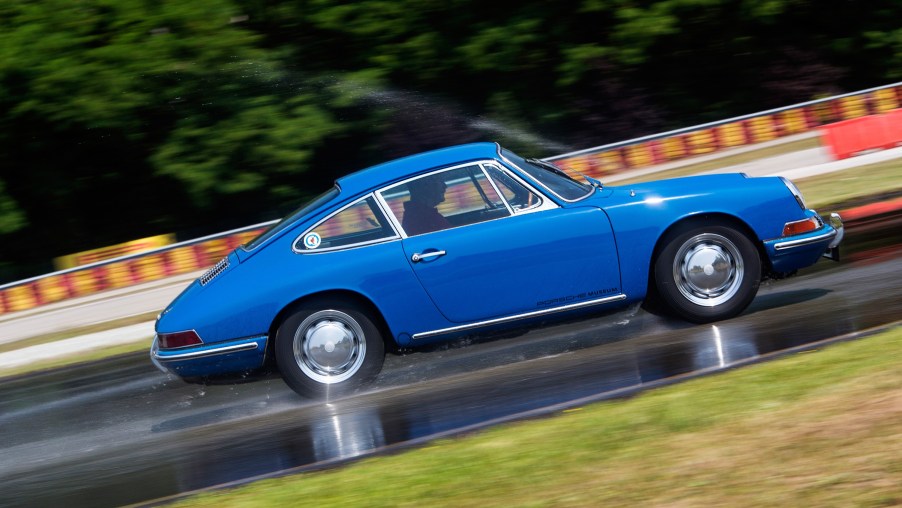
(417,257)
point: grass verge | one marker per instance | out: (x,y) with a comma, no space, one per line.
(851,184)
(815,429)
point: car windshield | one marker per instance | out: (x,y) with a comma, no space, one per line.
(292,217)
(550,176)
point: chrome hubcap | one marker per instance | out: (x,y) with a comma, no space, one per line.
(329,346)
(708,269)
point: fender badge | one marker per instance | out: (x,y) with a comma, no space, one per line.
(312,240)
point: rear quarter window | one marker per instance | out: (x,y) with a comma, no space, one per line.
(360,224)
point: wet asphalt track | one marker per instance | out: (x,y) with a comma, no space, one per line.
(122,432)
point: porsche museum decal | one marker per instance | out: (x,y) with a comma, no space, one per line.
(575,298)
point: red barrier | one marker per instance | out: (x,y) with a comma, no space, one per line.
(893,126)
(882,132)
(857,135)
(841,138)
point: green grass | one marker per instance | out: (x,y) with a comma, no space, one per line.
(814,429)
(726,161)
(852,184)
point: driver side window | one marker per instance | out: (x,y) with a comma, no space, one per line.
(447,199)
(517,195)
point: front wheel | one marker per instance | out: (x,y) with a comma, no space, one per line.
(328,348)
(707,273)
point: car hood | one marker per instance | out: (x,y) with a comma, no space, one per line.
(666,189)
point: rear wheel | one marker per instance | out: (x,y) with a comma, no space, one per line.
(328,348)
(707,273)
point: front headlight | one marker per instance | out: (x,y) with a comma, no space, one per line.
(795,192)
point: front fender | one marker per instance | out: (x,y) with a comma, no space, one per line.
(642,213)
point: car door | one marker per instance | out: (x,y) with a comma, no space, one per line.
(494,257)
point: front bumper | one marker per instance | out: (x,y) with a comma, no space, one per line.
(211,359)
(833,248)
(791,253)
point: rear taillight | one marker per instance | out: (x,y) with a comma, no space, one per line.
(179,339)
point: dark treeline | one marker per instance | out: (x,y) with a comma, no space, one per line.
(126,118)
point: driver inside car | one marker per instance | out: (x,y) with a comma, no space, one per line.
(420,213)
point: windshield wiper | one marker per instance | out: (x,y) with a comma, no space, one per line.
(593,182)
(549,166)
(558,171)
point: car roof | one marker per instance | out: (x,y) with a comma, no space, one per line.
(398,169)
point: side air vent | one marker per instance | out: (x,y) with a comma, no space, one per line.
(213,272)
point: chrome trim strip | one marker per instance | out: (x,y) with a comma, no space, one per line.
(517,317)
(804,241)
(836,222)
(154,347)
(796,193)
(491,181)
(387,213)
(207,352)
(545,204)
(390,215)
(350,246)
(400,229)
(417,257)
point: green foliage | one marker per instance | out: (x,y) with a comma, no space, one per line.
(11,218)
(246,151)
(578,61)
(143,111)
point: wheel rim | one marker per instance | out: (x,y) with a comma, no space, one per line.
(329,346)
(708,269)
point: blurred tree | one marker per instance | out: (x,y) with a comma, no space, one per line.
(595,69)
(11,218)
(127,118)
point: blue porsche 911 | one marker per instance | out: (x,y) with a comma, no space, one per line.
(470,239)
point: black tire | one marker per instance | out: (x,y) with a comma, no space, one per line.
(328,348)
(707,273)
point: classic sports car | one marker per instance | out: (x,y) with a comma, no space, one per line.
(470,239)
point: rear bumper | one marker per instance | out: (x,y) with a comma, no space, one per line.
(791,253)
(211,359)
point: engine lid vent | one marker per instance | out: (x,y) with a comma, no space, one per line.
(212,273)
